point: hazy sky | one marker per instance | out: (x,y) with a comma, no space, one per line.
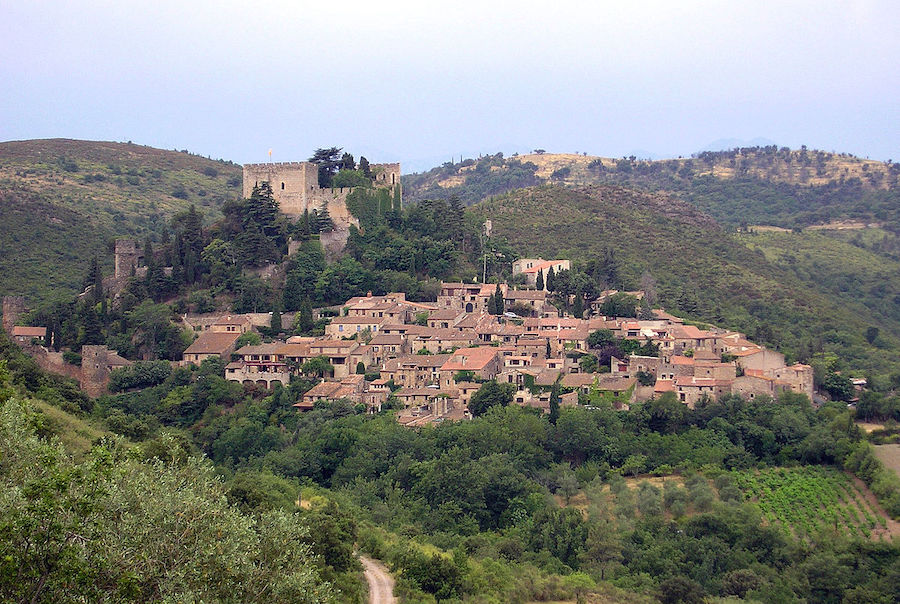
(421,82)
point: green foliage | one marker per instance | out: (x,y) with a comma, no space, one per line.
(491,394)
(114,528)
(795,301)
(620,305)
(250,338)
(128,193)
(140,375)
(351,178)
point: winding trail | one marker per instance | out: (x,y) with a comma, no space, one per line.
(381,584)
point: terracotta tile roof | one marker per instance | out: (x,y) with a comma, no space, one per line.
(578,380)
(664,386)
(293,350)
(688,381)
(681,360)
(29,332)
(211,342)
(357,321)
(525,294)
(543,266)
(233,320)
(616,384)
(393,339)
(259,349)
(470,359)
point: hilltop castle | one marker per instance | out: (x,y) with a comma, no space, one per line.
(295,186)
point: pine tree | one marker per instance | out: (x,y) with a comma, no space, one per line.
(303,228)
(97,281)
(323,220)
(275,323)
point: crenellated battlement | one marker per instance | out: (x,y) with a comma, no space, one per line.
(295,186)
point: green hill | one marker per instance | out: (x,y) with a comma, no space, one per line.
(759,185)
(64,201)
(804,293)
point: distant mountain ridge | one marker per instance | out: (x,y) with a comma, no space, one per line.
(752,185)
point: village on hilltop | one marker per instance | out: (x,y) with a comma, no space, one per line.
(429,359)
(432,357)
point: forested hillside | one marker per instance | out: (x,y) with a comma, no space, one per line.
(791,291)
(63,202)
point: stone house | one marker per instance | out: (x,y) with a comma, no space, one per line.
(338,353)
(209,344)
(261,365)
(415,371)
(342,327)
(23,334)
(691,389)
(388,346)
(530,267)
(482,362)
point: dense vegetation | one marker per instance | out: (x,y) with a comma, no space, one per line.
(195,268)
(86,516)
(464,509)
(460,510)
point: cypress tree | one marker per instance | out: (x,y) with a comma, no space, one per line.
(554,404)
(275,324)
(539,282)
(551,279)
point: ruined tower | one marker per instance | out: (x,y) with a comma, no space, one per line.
(94,369)
(13,308)
(127,257)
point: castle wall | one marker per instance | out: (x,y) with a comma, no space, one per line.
(386,175)
(295,186)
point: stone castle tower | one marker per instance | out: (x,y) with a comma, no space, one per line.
(295,186)
(94,369)
(127,256)
(13,309)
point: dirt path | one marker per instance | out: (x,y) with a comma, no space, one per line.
(381,584)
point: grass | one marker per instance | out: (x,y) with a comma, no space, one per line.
(76,435)
(889,455)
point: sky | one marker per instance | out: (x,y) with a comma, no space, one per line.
(426,82)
